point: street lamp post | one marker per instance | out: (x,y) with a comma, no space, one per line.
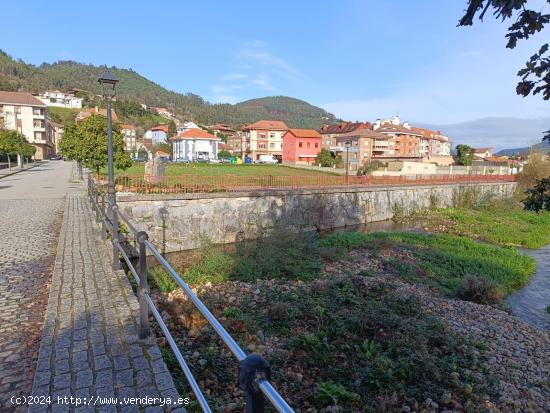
(108,88)
(348,144)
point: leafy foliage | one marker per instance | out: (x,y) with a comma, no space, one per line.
(14,143)
(86,142)
(18,75)
(538,198)
(465,154)
(325,158)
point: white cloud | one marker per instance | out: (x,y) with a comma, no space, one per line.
(255,70)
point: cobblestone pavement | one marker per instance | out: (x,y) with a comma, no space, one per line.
(89,346)
(29,231)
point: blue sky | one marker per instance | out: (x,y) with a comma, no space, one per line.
(358,59)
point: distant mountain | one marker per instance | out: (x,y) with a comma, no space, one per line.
(16,75)
(544,146)
(496,132)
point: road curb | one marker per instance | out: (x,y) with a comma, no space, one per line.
(21,170)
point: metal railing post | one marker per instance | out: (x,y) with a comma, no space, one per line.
(103,223)
(252,369)
(143,288)
(115,238)
(96,196)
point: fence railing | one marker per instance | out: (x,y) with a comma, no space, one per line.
(233,183)
(254,371)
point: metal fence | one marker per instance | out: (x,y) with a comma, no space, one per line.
(254,371)
(233,183)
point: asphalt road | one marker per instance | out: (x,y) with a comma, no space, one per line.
(46,181)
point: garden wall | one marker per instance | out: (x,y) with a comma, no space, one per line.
(228,217)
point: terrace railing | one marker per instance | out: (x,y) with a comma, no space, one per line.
(254,371)
(234,183)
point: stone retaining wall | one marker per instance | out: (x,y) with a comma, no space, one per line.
(227,217)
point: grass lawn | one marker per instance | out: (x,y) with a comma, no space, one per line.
(205,169)
(497,223)
(440,260)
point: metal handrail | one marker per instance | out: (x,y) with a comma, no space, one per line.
(259,380)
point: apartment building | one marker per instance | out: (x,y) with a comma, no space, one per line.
(329,133)
(129,132)
(264,137)
(28,115)
(57,130)
(364,145)
(60,99)
(301,146)
(194,145)
(433,143)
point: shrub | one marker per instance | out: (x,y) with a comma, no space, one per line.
(161,280)
(329,393)
(480,290)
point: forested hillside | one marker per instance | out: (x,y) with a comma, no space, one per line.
(16,75)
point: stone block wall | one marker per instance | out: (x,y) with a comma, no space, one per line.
(227,217)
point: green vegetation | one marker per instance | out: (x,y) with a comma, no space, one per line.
(63,75)
(65,116)
(174,169)
(86,143)
(465,154)
(440,260)
(13,143)
(538,198)
(501,223)
(341,342)
(327,159)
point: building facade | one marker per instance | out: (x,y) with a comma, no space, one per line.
(129,132)
(301,146)
(157,134)
(28,115)
(195,145)
(329,133)
(264,137)
(60,99)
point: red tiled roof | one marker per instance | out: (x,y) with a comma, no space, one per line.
(367,133)
(20,98)
(304,133)
(391,128)
(163,128)
(221,127)
(482,150)
(266,124)
(194,134)
(344,127)
(127,126)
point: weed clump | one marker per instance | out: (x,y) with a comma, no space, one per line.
(480,290)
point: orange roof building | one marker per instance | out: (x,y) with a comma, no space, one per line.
(195,145)
(264,137)
(301,146)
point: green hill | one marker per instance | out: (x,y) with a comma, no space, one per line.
(16,75)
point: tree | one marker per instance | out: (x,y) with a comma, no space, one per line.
(86,143)
(465,154)
(224,153)
(325,158)
(538,198)
(14,143)
(535,76)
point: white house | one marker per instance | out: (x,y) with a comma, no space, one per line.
(157,134)
(194,145)
(185,126)
(60,99)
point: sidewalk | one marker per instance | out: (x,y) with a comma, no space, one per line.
(89,346)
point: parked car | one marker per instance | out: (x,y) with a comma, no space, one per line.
(55,157)
(182,160)
(202,160)
(215,161)
(140,159)
(267,159)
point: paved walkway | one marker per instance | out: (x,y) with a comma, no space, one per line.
(89,345)
(31,208)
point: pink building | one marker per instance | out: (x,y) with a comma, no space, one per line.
(301,146)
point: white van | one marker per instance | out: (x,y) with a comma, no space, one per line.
(267,159)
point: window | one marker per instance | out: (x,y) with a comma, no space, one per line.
(308,144)
(271,145)
(38,123)
(299,144)
(261,145)
(272,135)
(1,108)
(18,110)
(39,136)
(19,123)
(316,145)
(262,135)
